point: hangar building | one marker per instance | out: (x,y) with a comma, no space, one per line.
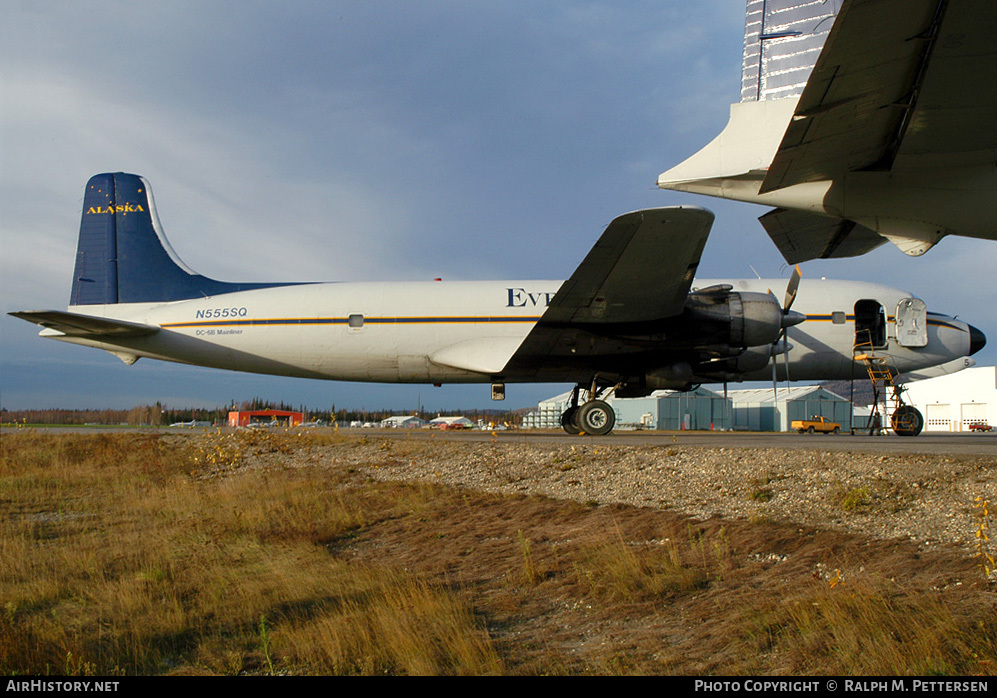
(702,409)
(244,418)
(760,410)
(955,401)
(456,422)
(404,421)
(698,409)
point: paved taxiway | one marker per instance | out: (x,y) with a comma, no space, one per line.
(926,443)
(937,444)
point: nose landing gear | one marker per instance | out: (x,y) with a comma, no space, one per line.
(907,421)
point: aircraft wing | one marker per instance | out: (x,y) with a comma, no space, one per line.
(640,271)
(801,235)
(76,325)
(895,78)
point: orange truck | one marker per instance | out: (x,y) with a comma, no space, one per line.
(815,423)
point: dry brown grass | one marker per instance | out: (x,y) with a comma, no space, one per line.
(139,554)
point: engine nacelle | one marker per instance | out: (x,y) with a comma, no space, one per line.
(754,359)
(676,376)
(741,319)
(734,368)
(760,319)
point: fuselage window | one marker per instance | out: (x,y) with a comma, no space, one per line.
(838,317)
(356,320)
(870,324)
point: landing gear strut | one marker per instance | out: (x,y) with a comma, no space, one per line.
(594,416)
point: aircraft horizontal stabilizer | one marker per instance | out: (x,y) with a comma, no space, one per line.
(802,236)
(76,325)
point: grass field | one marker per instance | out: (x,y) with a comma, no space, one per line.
(131,553)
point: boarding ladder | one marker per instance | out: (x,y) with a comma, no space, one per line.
(887,398)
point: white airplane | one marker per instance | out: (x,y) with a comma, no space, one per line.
(631,319)
(890,137)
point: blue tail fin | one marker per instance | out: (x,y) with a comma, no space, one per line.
(123,256)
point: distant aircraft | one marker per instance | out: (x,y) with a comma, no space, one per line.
(631,319)
(891,136)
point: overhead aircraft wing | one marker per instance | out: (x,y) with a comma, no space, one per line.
(801,235)
(76,325)
(895,78)
(640,271)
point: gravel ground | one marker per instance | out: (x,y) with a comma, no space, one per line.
(927,499)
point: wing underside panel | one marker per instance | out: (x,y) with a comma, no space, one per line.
(895,78)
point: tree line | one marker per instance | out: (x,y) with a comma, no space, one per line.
(161,415)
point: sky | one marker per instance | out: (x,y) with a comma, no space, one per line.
(367,141)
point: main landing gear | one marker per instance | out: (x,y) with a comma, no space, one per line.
(594,416)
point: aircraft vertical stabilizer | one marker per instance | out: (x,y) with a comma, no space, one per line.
(124,257)
(782,40)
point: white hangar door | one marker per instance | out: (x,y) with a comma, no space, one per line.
(938,418)
(973,412)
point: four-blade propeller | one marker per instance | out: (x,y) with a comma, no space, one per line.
(789,318)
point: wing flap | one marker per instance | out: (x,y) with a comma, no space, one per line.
(76,325)
(802,236)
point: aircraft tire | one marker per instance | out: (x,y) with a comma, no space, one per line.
(569,421)
(907,421)
(596,417)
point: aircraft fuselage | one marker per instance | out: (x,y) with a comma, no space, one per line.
(413,332)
